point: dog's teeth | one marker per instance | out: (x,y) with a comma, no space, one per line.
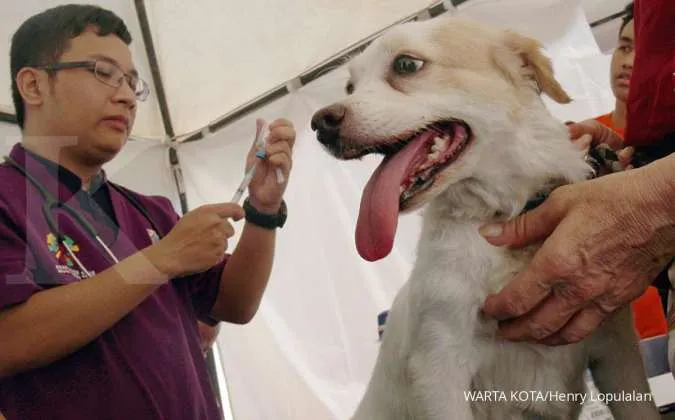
(427,184)
(440,144)
(434,155)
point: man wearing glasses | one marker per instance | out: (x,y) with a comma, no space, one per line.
(108,329)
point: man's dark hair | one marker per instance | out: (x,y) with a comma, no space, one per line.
(627,17)
(43,38)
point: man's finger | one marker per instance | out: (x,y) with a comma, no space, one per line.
(583,142)
(626,156)
(520,295)
(279,122)
(579,327)
(525,229)
(599,132)
(578,129)
(281,160)
(279,147)
(229,231)
(544,321)
(228,210)
(282,134)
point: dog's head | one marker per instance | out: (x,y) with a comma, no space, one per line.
(446,101)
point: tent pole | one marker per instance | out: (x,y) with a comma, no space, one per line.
(144,23)
(178,179)
(8,118)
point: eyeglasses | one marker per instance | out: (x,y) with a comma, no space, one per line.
(106,73)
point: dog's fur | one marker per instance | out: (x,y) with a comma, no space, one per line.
(436,344)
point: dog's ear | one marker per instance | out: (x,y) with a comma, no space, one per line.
(521,58)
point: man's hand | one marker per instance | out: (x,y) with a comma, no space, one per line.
(197,242)
(265,191)
(609,238)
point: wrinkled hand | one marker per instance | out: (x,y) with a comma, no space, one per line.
(265,191)
(609,238)
(197,242)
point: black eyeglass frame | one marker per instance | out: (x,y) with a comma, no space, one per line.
(132,80)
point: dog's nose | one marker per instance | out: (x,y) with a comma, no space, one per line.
(326,122)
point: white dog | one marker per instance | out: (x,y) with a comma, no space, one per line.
(455,108)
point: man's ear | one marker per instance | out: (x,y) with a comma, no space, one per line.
(521,59)
(32,85)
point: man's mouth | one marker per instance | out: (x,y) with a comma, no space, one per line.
(408,169)
(119,123)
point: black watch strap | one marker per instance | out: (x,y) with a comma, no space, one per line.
(265,220)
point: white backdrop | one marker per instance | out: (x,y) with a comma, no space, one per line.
(310,350)
(216,55)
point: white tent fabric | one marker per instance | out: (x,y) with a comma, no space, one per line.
(206,49)
(258,40)
(309,352)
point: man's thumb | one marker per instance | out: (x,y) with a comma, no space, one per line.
(526,229)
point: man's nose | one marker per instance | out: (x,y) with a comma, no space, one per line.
(126,95)
(326,122)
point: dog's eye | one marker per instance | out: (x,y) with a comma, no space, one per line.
(349,88)
(405,64)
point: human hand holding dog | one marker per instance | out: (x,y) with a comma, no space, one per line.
(591,133)
(604,241)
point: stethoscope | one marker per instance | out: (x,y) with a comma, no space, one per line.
(51,203)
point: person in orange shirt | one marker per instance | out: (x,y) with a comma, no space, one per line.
(649,314)
(620,73)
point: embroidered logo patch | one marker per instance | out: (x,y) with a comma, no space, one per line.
(60,251)
(65,263)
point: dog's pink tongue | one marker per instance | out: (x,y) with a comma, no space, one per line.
(378,215)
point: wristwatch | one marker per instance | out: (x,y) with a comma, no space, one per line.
(265,220)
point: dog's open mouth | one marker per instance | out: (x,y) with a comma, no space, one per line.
(443,142)
(409,168)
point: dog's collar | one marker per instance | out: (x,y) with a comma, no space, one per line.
(602,160)
(536,201)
